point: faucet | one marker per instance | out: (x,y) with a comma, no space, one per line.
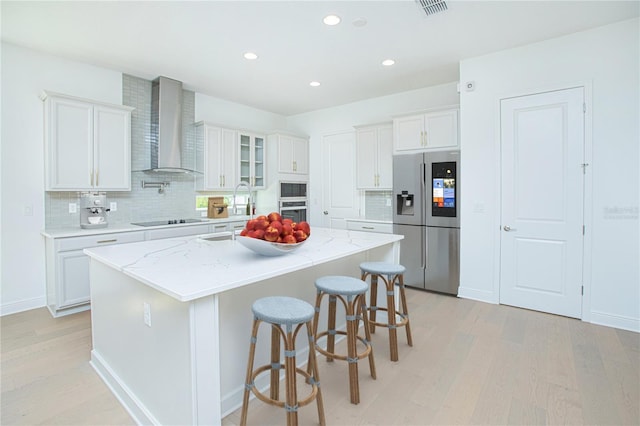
(235,192)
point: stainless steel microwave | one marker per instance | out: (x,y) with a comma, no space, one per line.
(293,190)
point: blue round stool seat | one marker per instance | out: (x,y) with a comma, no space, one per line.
(282,310)
(338,284)
(383,268)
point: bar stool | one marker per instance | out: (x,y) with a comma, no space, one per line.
(391,274)
(352,293)
(290,312)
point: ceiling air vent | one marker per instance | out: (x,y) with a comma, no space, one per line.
(432,6)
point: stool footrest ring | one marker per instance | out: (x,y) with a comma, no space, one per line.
(365,353)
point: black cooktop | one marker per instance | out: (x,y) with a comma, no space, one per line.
(168,222)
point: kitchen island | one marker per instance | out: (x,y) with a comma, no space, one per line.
(171,318)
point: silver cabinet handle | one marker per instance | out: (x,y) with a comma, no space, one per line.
(508,228)
(106,241)
(325,212)
(368,227)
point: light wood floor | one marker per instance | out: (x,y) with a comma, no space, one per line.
(471,363)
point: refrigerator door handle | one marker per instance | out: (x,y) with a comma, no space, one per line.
(422,175)
(424,252)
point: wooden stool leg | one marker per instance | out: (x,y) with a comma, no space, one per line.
(405,310)
(249,382)
(291,404)
(391,320)
(373,302)
(363,312)
(312,368)
(352,355)
(331,327)
(314,326)
(274,390)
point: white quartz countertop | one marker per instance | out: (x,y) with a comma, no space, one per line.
(189,268)
(76,231)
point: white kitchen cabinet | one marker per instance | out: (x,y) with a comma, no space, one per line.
(67,269)
(252,159)
(370,226)
(374,159)
(428,131)
(87,145)
(293,154)
(216,158)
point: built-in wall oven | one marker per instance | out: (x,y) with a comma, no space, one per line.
(293,200)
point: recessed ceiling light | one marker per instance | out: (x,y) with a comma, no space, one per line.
(331,20)
(388,62)
(250,56)
(314,84)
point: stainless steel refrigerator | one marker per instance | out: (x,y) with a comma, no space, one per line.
(426,210)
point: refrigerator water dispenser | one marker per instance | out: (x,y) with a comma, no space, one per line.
(404,201)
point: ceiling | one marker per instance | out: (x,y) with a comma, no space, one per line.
(202,43)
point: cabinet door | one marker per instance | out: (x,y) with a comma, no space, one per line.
(300,156)
(385,157)
(441,129)
(285,154)
(73,278)
(69,145)
(408,133)
(259,181)
(212,172)
(229,159)
(252,160)
(112,149)
(366,158)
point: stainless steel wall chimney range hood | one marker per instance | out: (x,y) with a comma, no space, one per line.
(166,126)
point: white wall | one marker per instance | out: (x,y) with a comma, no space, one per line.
(339,119)
(25,74)
(606,59)
(236,116)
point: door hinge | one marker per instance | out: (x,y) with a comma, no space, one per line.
(582,290)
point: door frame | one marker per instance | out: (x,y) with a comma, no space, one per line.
(587,86)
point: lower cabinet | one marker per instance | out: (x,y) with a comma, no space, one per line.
(68,269)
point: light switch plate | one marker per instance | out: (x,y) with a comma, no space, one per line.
(73,208)
(113,206)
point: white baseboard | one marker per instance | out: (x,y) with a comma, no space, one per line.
(134,407)
(22,305)
(615,321)
(479,295)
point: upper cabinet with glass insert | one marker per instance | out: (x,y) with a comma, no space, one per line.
(252,159)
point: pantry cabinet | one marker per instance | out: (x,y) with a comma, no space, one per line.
(374,158)
(87,145)
(216,158)
(428,131)
(252,159)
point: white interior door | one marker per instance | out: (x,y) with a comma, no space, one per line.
(340,196)
(542,139)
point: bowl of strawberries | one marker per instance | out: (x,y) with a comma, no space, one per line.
(271,235)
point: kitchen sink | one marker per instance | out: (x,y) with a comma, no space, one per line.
(218,236)
(169,222)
